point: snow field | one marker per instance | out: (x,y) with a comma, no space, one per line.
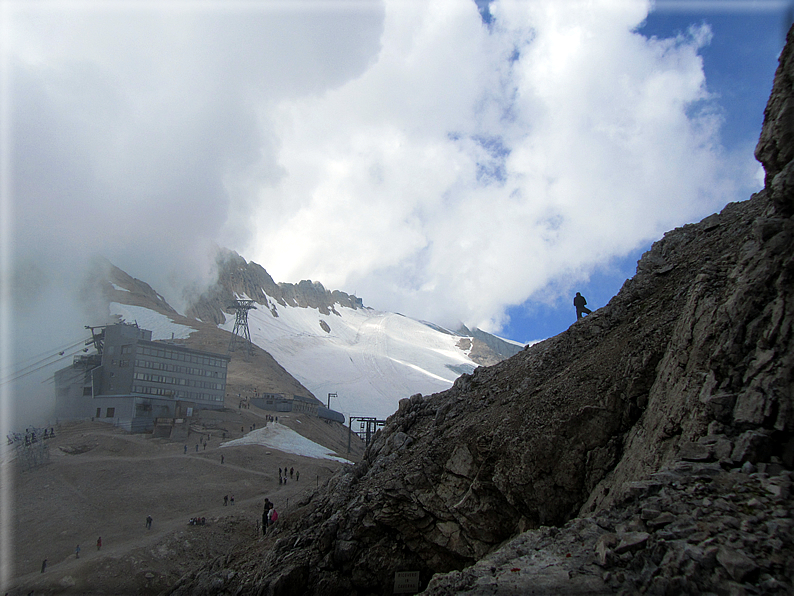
(370,359)
(160,325)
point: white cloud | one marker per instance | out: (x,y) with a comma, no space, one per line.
(469,168)
(135,131)
(404,150)
(138,127)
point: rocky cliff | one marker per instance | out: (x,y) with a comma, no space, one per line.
(237,277)
(648,448)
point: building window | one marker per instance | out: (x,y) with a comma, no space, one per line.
(126,349)
(110,413)
(86,390)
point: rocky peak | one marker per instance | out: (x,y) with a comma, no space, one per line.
(486,349)
(237,277)
(107,281)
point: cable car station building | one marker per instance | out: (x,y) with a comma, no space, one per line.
(132,380)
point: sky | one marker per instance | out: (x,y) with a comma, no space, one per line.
(449,160)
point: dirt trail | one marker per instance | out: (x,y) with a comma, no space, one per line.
(102,481)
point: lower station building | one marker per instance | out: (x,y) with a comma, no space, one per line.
(131,381)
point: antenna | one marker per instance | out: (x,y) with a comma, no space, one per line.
(241,333)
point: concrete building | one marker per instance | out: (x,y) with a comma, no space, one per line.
(280,402)
(132,380)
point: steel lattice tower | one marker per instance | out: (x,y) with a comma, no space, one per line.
(241,333)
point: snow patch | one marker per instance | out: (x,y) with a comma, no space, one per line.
(160,325)
(119,288)
(283,438)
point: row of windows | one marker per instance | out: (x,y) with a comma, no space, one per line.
(186,370)
(181,356)
(139,376)
(176,394)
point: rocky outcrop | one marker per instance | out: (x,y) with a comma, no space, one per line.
(486,349)
(107,283)
(775,149)
(690,529)
(237,277)
(646,448)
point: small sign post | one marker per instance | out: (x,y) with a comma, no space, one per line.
(406,582)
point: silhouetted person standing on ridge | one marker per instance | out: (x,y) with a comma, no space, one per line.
(579,302)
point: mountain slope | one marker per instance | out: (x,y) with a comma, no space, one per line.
(135,301)
(670,407)
(333,344)
(328,341)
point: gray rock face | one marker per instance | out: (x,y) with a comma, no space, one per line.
(646,448)
(775,149)
(237,276)
(689,529)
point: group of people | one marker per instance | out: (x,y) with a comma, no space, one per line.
(203,442)
(291,471)
(269,515)
(30,436)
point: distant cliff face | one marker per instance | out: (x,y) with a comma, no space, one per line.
(689,369)
(238,277)
(775,149)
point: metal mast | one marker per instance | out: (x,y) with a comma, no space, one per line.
(241,333)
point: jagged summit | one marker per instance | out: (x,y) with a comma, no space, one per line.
(314,340)
(237,277)
(657,435)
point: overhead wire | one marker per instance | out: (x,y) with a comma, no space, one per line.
(50,352)
(45,362)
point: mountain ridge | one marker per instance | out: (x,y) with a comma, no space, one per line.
(310,341)
(237,277)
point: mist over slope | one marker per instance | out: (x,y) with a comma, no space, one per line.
(657,434)
(332,343)
(308,340)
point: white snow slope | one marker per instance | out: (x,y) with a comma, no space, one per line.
(160,325)
(283,438)
(370,359)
